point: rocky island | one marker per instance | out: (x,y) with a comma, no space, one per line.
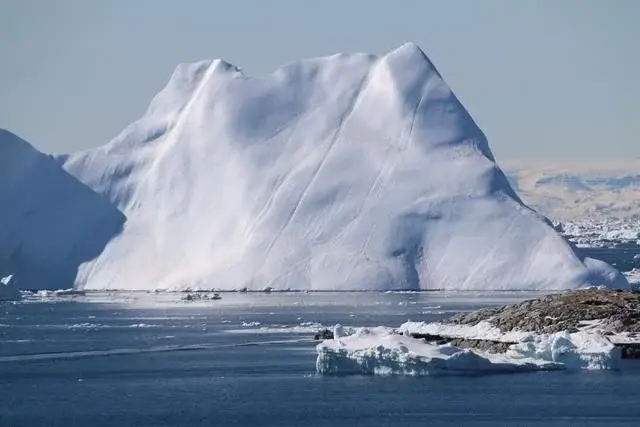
(613,313)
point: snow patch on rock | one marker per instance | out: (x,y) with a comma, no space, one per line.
(481,331)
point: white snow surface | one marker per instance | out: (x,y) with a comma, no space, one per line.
(349,172)
(383,351)
(482,331)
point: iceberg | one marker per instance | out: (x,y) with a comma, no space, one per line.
(386,351)
(349,172)
(383,351)
(50,223)
(8,290)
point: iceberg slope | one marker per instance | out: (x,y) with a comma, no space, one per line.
(346,172)
(50,223)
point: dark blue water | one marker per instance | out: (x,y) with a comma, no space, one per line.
(623,258)
(91,364)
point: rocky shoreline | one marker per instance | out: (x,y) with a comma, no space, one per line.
(618,311)
(611,312)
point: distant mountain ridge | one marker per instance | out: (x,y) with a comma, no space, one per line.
(577,192)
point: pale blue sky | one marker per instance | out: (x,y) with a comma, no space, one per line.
(544,79)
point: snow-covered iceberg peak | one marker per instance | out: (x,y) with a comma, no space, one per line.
(345,172)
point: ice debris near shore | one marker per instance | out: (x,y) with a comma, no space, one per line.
(602,231)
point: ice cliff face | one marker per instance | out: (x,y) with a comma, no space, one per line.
(347,172)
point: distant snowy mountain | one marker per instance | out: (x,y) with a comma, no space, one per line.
(50,223)
(579,191)
(350,172)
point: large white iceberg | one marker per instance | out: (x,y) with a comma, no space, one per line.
(350,172)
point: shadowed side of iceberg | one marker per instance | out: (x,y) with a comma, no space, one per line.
(50,223)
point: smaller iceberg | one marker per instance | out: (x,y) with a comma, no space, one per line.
(8,289)
(384,351)
(387,351)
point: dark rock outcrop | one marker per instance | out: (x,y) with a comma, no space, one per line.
(201,296)
(324,334)
(619,311)
(616,311)
(476,344)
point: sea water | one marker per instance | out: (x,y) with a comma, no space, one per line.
(249,360)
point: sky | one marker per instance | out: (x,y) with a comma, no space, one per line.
(544,79)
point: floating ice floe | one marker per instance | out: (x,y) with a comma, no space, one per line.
(143,325)
(86,325)
(301,328)
(250,324)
